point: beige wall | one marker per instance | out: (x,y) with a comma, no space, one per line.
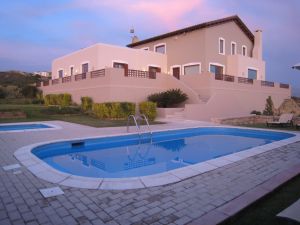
(101,56)
(202,46)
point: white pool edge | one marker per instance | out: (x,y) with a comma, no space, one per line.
(43,171)
(51,127)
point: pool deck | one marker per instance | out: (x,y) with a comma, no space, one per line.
(207,198)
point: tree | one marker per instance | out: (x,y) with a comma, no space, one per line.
(269,108)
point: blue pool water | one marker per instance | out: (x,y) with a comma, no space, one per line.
(131,155)
(23,127)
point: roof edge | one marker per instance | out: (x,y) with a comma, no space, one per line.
(234,18)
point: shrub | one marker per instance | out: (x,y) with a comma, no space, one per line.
(113,110)
(2,93)
(255,112)
(58,99)
(269,108)
(149,109)
(169,98)
(86,103)
(29,91)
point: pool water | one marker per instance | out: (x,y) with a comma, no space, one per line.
(134,155)
(23,127)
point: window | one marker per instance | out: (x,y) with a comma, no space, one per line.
(244,50)
(160,48)
(121,66)
(85,68)
(71,71)
(60,73)
(252,74)
(191,69)
(222,46)
(216,69)
(233,48)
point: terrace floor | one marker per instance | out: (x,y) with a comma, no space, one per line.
(207,198)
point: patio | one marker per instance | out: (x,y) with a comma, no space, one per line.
(208,198)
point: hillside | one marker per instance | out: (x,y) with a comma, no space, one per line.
(15,78)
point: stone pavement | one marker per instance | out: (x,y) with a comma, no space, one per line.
(178,203)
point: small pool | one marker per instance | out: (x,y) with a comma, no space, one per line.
(136,155)
(24,127)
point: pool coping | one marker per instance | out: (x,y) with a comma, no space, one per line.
(51,127)
(43,171)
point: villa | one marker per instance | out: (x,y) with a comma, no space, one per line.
(218,64)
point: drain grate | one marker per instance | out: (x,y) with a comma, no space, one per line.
(51,192)
(11,167)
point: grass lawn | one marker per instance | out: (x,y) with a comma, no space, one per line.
(265,210)
(35,113)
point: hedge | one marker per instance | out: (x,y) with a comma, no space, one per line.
(86,103)
(58,99)
(113,110)
(149,109)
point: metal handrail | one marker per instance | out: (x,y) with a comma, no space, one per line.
(136,124)
(147,122)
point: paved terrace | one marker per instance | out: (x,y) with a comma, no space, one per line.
(204,199)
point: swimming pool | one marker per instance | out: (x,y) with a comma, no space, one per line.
(142,155)
(19,127)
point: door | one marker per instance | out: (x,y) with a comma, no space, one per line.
(121,66)
(152,71)
(85,68)
(176,72)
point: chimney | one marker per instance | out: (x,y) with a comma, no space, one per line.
(257,49)
(135,39)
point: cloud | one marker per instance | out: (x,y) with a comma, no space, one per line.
(167,12)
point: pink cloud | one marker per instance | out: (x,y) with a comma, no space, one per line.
(167,13)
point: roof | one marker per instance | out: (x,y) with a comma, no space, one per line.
(234,18)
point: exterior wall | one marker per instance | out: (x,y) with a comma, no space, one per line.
(230,99)
(101,56)
(114,86)
(202,46)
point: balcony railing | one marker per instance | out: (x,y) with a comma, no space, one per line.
(81,76)
(267,83)
(284,86)
(66,79)
(141,74)
(98,73)
(55,81)
(244,80)
(224,77)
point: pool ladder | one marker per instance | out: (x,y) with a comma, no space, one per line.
(137,120)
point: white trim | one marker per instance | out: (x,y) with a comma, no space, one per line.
(84,62)
(246,51)
(221,53)
(217,64)
(160,44)
(145,48)
(176,66)
(235,47)
(191,64)
(253,68)
(73,70)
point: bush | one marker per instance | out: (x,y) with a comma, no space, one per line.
(29,91)
(113,110)
(86,103)
(256,112)
(2,93)
(58,99)
(269,108)
(149,109)
(169,98)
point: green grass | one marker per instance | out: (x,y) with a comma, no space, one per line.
(35,113)
(264,211)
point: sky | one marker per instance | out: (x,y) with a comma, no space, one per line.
(34,32)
